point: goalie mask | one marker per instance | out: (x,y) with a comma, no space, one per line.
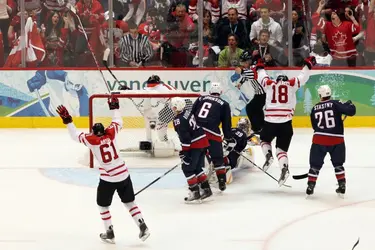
(98,129)
(244,125)
(153,79)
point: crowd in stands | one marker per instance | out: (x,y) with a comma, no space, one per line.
(165,32)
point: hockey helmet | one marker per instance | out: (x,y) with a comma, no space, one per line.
(215,88)
(153,79)
(177,104)
(282,78)
(245,56)
(324,91)
(98,129)
(244,125)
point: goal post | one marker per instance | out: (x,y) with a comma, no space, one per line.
(147,121)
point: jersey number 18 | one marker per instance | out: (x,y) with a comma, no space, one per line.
(279,94)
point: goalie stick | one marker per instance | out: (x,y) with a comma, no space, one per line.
(304,176)
(241,154)
(151,183)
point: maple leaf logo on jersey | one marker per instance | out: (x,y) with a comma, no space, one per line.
(339,38)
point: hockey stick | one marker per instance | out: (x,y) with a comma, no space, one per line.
(42,103)
(74,11)
(151,183)
(356,244)
(261,169)
(304,176)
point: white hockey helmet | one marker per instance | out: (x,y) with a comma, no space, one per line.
(177,104)
(215,88)
(324,91)
(244,125)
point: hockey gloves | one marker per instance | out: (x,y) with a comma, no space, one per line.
(185,157)
(229,144)
(113,103)
(64,114)
(310,62)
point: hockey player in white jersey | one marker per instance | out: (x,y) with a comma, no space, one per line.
(114,175)
(279,109)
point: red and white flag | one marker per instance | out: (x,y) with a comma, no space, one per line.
(35,51)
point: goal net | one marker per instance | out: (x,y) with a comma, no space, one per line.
(147,121)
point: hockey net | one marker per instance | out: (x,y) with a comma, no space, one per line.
(147,121)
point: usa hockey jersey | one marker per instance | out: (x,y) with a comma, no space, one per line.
(189,133)
(326,120)
(211,111)
(241,139)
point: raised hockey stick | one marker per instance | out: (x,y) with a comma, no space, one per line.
(304,176)
(261,169)
(151,183)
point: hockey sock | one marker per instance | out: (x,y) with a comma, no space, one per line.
(340,173)
(106,217)
(134,212)
(313,174)
(282,156)
(266,147)
(192,180)
(202,177)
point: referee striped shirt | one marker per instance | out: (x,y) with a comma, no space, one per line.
(135,50)
(248,77)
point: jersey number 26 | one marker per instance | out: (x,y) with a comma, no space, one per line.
(327,118)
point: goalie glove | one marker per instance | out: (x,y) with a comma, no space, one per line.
(230,144)
(64,114)
(113,103)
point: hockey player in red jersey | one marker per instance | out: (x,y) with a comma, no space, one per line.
(326,120)
(114,175)
(194,143)
(279,110)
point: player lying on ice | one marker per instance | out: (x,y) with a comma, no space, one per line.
(279,109)
(114,175)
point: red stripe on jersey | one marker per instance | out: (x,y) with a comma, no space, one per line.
(151,85)
(327,140)
(278,115)
(278,110)
(107,218)
(113,169)
(212,137)
(201,143)
(184,148)
(104,213)
(121,172)
(136,213)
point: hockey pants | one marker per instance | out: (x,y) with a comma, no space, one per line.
(254,110)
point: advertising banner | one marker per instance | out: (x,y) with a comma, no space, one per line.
(32,93)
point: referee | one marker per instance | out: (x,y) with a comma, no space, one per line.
(249,85)
(135,48)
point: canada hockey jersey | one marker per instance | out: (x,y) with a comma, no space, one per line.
(190,134)
(211,111)
(326,120)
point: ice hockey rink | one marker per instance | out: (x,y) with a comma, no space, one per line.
(48,201)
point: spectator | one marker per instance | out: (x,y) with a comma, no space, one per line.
(276,7)
(140,5)
(54,37)
(266,22)
(323,58)
(5,12)
(299,38)
(339,35)
(230,56)
(180,27)
(239,5)
(271,55)
(211,5)
(231,25)
(370,36)
(135,48)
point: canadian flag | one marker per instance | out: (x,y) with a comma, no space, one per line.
(35,51)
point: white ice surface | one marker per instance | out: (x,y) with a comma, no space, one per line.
(48,201)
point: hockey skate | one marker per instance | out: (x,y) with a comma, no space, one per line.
(341,189)
(206,190)
(269,161)
(144,233)
(284,175)
(194,195)
(310,188)
(109,236)
(222,181)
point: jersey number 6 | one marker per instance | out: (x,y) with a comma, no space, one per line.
(107,154)
(205,109)
(279,94)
